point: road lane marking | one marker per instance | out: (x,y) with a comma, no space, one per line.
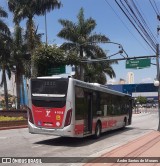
(36,146)
(3,137)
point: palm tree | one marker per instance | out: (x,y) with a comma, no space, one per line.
(5,42)
(96,72)
(81,38)
(28,9)
(18,57)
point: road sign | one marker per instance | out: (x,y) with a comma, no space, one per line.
(56,70)
(138,63)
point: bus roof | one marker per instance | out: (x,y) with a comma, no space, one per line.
(99,87)
(95,86)
(55,76)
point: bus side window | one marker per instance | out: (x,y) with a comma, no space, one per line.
(98,106)
(79,103)
(105,110)
(95,104)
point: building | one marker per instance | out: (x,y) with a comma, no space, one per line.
(130,78)
(147,90)
(122,81)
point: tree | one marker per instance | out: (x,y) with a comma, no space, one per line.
(96,72)
(81,38)
(28,9)
(19,54)
(5,43)
(47,57)
(141,99)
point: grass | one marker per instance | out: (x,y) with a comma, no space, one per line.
(7,118)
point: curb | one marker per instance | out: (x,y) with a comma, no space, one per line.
(13,127)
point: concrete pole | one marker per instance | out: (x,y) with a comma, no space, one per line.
(158,78)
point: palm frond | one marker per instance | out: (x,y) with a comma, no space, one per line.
(98,38)
(43,6)
(68,46)
(88,26)
(3,13)
(68,32)
(4,28)
(81,17)
(97,52)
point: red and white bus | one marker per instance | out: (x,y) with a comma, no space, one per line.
(73,108)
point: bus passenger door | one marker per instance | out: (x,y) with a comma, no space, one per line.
(88,113)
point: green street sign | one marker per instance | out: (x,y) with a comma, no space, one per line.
(138,63)
(56,70)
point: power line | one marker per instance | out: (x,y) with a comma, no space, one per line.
(154,6)
(132,22)
(125,24)
(140,22)
(129,12)
(144,22)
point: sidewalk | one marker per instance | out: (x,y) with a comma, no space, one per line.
(146,148)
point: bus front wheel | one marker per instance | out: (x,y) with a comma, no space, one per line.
(98,130)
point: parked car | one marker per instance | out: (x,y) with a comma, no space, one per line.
(143,105)
(149,105)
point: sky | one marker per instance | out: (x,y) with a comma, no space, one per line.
(110,22)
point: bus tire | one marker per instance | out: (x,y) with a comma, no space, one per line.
(97,130)
(124,123)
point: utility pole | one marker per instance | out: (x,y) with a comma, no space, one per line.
(158,75)
(158,78)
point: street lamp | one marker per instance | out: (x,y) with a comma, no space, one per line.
(105,58)
(100,59)
(156,82)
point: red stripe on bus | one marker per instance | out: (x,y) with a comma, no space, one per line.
(79,129)
(109,124)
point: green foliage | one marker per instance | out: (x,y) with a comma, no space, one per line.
(94,73)
(141,99)
(47,56)
(7,118)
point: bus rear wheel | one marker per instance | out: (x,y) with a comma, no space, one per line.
(98,130)
(124,123)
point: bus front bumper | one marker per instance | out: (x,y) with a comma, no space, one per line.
(66,131)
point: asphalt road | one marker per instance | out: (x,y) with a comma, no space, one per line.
(20,143)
